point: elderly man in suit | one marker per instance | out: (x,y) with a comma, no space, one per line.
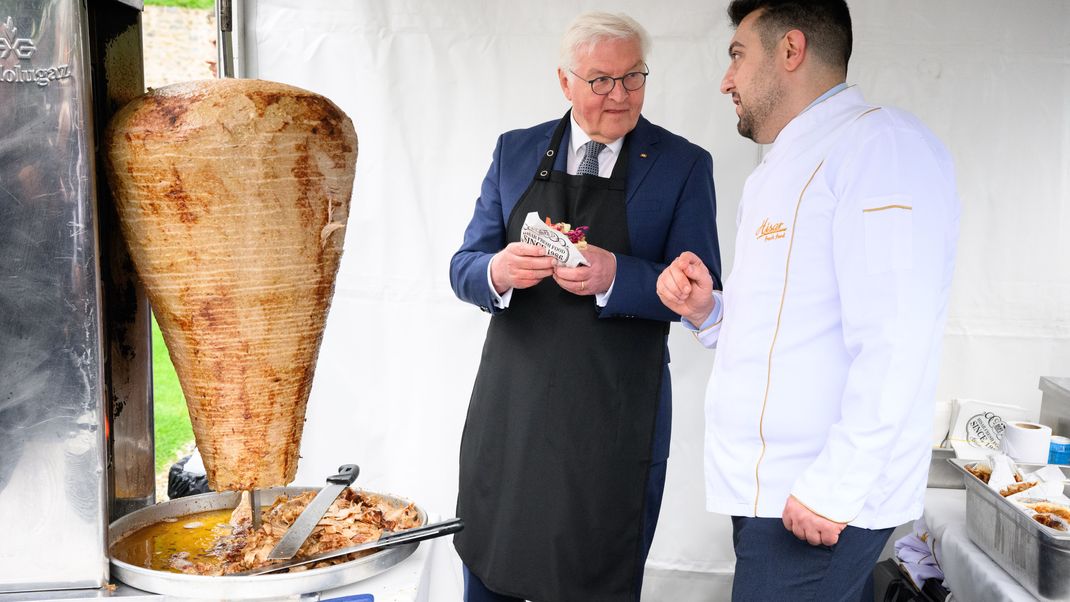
(564,449)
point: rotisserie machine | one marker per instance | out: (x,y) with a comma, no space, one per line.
(76,426)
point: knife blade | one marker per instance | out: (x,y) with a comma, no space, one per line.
(301,528)
(439,529)
(254,508)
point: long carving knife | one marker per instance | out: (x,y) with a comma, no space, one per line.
(301,528)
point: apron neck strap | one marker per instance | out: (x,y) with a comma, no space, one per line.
(546,165)
(618,180)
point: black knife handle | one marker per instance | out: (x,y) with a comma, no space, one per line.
(347,473)
(445,527)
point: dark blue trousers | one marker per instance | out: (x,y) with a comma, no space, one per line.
(476,591)
(773,565)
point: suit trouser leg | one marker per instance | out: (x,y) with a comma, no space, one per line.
(476,591)
(772,564)
(655,487)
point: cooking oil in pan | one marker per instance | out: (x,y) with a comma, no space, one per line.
(155,546)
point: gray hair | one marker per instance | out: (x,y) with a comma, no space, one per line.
(590,28)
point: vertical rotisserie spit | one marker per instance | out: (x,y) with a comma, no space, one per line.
(234,195)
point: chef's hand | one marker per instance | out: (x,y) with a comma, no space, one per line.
(808,526)
(588,279)
(686,288)
(519,265)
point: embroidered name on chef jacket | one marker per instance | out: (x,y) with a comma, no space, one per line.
(770,231)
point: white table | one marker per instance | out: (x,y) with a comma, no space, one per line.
(969,573)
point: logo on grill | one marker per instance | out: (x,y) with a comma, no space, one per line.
(22,47)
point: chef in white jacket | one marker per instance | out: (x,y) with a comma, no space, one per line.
(828,331)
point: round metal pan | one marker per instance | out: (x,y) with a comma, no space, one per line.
(249,587)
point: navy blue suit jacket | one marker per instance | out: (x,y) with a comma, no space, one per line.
(670,207)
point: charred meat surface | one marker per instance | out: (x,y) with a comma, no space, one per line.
(233,196)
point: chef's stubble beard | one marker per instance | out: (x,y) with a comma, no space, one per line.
(754,114)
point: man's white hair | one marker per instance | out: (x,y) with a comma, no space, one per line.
(588,29)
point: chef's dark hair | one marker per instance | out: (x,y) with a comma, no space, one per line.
(825,23)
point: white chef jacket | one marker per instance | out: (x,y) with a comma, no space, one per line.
(830,326)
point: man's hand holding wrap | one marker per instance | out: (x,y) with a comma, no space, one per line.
(519,265)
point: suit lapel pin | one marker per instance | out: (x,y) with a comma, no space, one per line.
(642,155)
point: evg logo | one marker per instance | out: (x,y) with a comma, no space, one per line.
(23,47)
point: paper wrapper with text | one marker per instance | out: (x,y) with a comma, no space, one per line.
(557,245)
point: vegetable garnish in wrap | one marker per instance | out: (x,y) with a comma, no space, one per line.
(577,235)
(561,241)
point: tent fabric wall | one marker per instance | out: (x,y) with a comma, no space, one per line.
(430,85)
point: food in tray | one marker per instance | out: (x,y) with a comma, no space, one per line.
(222,542)
(233,195)
(981,471)
(1050,520)
(1050,508)
(577,235)
(1016,488)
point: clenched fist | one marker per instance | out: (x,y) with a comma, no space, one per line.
(686,288)
(810,526)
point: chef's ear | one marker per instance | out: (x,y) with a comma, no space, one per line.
(562,75)
(793,49)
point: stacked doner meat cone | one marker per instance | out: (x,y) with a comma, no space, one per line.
(233,196)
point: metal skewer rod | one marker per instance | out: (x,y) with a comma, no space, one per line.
(254,505)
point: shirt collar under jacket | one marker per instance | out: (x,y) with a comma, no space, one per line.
(580,137)
(826,107)
(834,89)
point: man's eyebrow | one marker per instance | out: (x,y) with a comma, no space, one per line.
(636,67)
(733,46)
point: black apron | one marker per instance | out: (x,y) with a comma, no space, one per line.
(557,444)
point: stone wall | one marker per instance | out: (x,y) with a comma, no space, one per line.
(179,45)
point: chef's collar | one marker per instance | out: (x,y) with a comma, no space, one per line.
(833,90)
(816,113)
(580,137)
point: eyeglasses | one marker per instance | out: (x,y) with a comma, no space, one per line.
(604,85)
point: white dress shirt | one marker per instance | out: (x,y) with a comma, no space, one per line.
(830,325)
(607,159)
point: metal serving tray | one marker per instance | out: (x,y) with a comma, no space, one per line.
(1038,557)
(256,586)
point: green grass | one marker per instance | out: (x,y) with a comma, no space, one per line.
(182,3)
(173,429)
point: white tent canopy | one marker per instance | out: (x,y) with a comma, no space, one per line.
(430,85)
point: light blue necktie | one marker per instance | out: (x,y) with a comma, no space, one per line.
(589,165)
